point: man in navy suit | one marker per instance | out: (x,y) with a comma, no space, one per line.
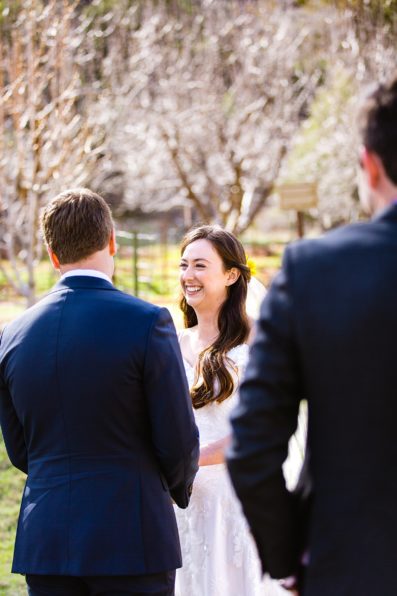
(328,333)
(95,409)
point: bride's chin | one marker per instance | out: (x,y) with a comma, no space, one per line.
(192,298)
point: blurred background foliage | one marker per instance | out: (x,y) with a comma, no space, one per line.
(182,111)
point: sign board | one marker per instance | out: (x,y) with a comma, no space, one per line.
(300,196)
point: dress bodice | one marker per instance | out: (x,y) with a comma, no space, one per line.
(213,419)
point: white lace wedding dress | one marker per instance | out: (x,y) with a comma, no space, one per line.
(218,552)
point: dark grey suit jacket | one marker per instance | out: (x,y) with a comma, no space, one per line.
(327,333)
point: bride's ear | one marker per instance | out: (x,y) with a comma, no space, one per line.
(232,276)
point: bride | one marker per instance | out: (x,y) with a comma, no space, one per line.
(219,556)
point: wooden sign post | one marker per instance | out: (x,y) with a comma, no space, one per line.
(299,197)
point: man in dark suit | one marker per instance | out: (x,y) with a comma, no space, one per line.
(328,333)
(95,409)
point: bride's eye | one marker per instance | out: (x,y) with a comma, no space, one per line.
(182,265)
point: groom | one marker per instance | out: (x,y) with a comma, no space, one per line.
(328,333)
(95,409)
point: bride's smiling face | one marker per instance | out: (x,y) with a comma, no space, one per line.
(203,277)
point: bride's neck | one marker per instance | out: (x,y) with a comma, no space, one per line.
(207,327)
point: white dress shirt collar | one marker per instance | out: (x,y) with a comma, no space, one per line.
(86,273)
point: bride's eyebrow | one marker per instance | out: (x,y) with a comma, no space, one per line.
(195,260)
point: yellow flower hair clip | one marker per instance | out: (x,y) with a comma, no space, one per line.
(252,266)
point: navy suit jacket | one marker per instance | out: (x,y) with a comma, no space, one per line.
(95,408)
(327,333)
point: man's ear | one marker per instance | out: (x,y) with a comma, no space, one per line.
(54,259)
(232,276)
(372,166)
(112,243)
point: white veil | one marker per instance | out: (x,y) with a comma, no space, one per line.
(255,295)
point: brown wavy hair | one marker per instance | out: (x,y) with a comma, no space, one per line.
(213,381)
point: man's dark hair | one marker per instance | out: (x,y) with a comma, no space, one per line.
(76,224)
(378,125)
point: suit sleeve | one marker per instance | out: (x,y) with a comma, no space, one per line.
(262,424)
(11,427)
(174,432)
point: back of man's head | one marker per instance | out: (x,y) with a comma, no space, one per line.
(76,224)
(378,125)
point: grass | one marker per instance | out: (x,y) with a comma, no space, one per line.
(9,309)
(11,485)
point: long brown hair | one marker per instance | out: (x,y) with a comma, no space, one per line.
(213,381)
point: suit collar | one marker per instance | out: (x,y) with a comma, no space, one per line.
(87,272)
(389,213)
(82,282)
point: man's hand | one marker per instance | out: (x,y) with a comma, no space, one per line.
(290,584)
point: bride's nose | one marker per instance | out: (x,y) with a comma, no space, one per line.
(187,274)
